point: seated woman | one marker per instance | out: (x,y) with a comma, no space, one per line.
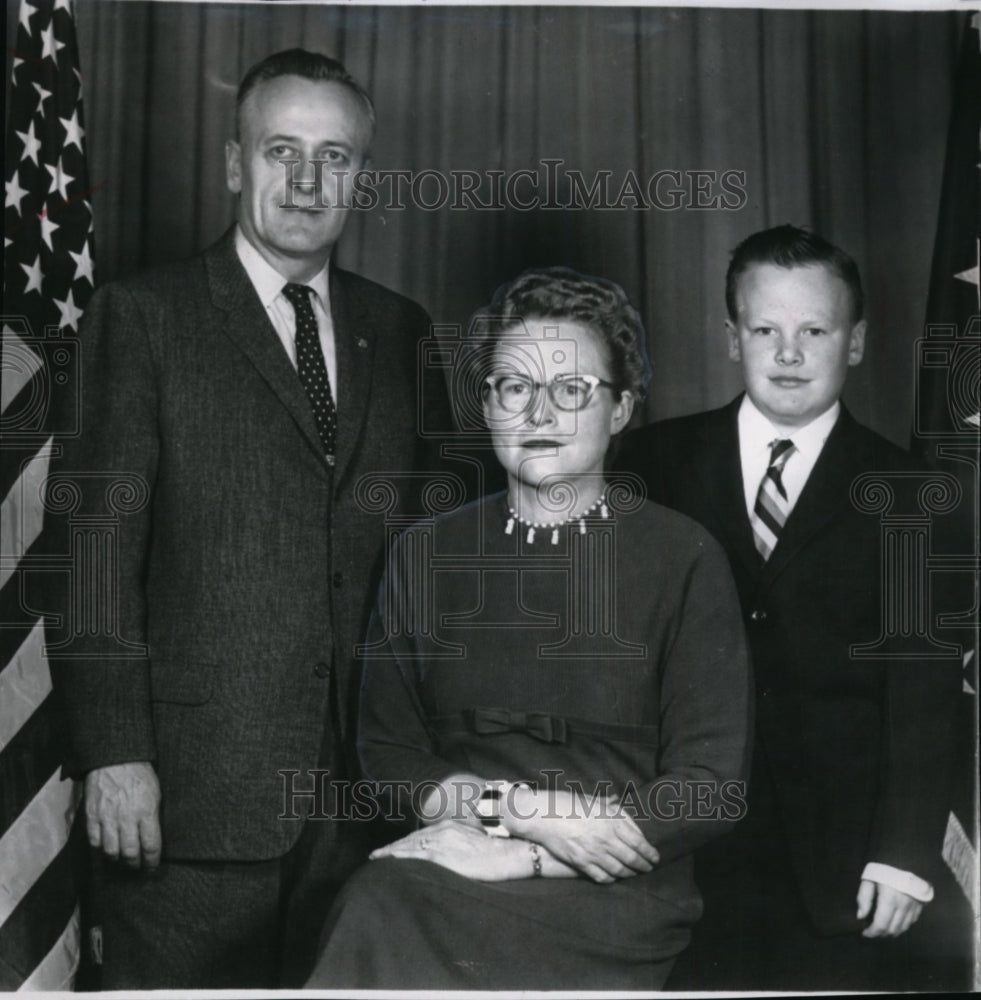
(556,684)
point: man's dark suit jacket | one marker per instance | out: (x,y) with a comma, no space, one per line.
(249,570)
(858,750)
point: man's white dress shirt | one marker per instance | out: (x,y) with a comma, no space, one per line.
(269,283)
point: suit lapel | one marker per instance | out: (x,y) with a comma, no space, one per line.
(248,326)
(721,445)
(825,495)
(355,339)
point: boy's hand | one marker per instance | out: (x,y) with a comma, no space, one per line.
(895,911)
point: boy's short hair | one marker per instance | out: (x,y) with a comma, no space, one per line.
(790,246)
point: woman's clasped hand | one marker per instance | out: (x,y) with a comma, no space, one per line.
(575,836)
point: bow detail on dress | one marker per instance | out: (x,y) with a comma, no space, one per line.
(487,721)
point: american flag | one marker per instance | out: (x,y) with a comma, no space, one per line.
(48,279)
(946,421)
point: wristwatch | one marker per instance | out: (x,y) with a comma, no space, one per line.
(488,806)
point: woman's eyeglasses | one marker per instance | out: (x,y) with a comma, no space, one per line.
(517,393)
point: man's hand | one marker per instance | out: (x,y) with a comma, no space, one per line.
(895,911)
(122,813)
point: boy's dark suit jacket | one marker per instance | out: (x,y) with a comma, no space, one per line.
(859,751)
(249,570)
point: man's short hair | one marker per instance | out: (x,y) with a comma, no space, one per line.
(789,246)
(310,66)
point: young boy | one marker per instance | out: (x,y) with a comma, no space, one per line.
(848,798)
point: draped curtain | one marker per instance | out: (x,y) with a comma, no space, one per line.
(835,119)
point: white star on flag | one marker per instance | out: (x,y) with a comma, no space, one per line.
(32,144)
(973,274)
(74,132)
(70,313)
(42,95)
(47,229)
(60,178)
(15,193)
(83,264)
(26,13)
(33,272)
(50,44)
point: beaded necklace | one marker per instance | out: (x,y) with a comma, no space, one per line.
(532,526)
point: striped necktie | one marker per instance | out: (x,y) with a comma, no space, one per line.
(311,366)
(771,508)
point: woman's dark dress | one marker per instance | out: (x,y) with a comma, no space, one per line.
(625,645)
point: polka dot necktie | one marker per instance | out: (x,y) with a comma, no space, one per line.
(772,505)
(310,365)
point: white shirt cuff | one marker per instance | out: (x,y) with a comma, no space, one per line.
(896,878)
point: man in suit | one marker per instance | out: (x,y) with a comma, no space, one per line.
(229,405)
(848,797)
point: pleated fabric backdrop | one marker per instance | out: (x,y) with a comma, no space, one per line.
(837,118)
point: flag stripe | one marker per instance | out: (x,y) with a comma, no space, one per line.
(959,853)
(28,763)
(24,414)
(43,914)
(17,621)
(34,840)
(23,685)
(20,365)
(14,458)
(22,512)
(57,969)
(13,634)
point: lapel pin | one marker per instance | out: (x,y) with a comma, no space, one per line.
(362,342)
